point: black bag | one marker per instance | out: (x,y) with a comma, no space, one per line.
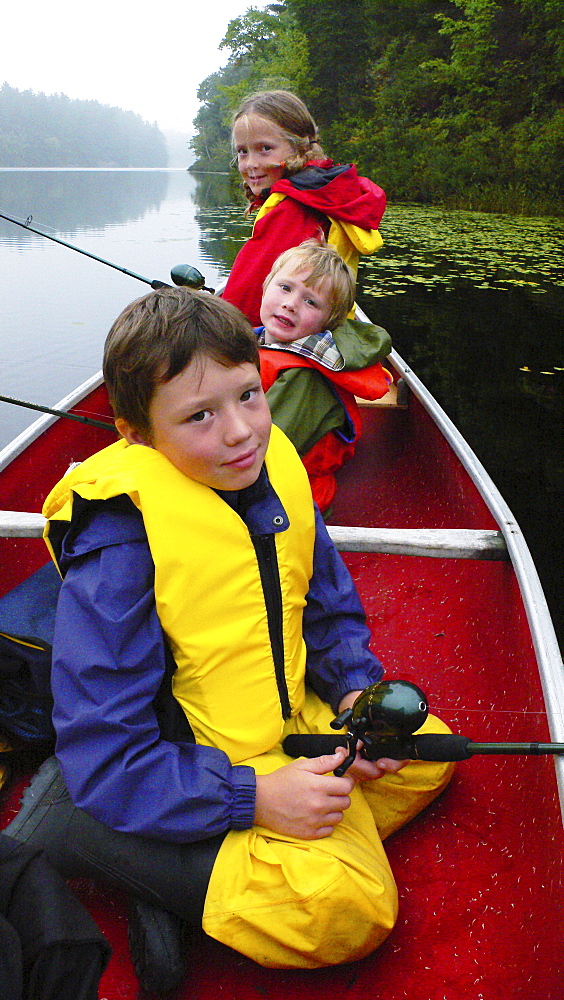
(53,948)
(26,704)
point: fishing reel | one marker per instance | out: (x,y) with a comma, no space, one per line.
(384,719)
(382,712)
(189,277)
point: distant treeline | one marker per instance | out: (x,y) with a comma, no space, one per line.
(459,102)
(54,131)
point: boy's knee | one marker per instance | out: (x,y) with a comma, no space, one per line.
(323,906)
(397,798)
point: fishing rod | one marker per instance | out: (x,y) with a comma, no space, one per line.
(181,274)
(384,718)
(106,425)
(155,283)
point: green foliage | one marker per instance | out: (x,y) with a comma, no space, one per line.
(252,36)
(466,97)
(267,51)
(338,46)
(41,131)
(437,100)
(212,140)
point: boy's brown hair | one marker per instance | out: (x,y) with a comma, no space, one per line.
(156,336)
(323,262)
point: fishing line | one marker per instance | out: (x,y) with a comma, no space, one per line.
(43,225)
(182,274)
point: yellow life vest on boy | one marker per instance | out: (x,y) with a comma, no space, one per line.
(208,589)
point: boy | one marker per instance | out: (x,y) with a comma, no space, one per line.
(314,361)
(200,589)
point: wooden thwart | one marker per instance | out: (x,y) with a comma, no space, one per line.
(440,543)
(21,524)
(393,400)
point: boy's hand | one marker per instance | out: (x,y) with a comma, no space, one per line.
(304,799)
(368,770)
(371,770)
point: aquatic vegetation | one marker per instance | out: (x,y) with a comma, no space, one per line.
(433,247)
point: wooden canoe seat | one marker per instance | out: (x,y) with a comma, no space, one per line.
(21,524)
(438,543)
(396,398)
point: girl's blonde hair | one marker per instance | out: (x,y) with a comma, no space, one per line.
(292,117)
(323,262)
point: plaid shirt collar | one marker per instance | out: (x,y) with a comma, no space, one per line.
(319,347)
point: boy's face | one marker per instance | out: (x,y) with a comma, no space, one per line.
(211,422)
(291,309)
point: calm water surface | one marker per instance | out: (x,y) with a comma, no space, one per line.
(474,302)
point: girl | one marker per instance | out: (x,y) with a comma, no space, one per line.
(298,191)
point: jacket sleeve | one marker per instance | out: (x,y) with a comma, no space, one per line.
(335,631)
(108,663)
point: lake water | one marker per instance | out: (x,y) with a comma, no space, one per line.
(474,302)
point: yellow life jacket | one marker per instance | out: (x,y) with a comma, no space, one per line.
(208,589)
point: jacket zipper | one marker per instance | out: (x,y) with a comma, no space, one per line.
(265,548)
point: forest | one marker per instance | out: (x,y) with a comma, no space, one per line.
(37,130)
(457,103)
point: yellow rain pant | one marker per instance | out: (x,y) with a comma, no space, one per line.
(289,903)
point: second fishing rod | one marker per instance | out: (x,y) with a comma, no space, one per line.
(182,275)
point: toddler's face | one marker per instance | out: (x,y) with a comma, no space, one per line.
(261,150)
(291,310)
(211,422)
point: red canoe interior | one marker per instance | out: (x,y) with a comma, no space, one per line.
(479,873)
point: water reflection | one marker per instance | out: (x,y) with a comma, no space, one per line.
(78,199)
(56,305)
(469,345)
(214,190)
(428,246)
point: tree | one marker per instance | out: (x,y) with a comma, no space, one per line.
(253,36)
(437,100)
(337,40)
(38,130)
(212,140)
(267,51)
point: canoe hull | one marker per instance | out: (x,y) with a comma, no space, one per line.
(480,872)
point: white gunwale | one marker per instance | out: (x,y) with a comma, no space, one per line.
(31,433)
(549,659)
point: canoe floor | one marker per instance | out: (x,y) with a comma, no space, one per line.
(480,872)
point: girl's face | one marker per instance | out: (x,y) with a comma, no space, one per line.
(261,151)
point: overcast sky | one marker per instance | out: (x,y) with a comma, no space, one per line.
(144,56)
